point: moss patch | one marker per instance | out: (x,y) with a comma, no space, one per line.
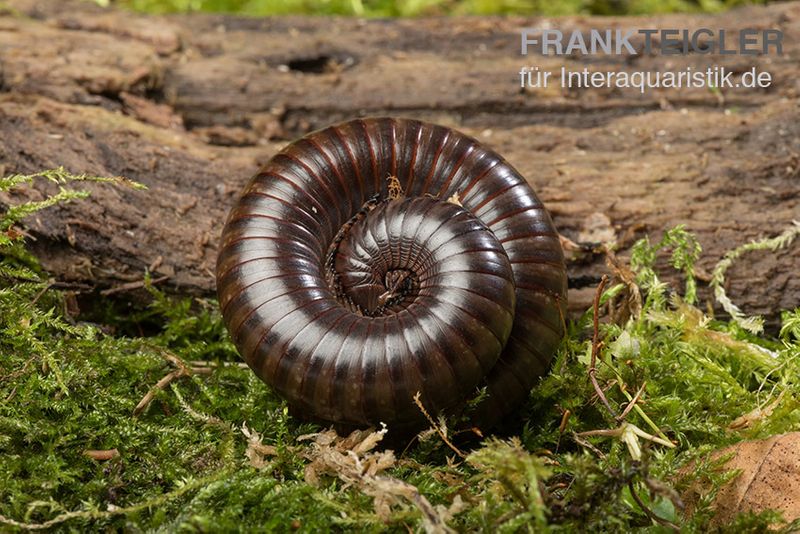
(396,8)
(202,445)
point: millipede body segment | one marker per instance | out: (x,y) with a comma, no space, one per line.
(349,282)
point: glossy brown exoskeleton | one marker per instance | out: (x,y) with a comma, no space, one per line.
(348,300)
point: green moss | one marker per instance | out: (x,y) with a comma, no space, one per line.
(182,461)
(396,8)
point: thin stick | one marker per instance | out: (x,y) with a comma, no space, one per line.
(583,443)
(652,515)
(436,426)
(181,371)
(639,408)
(562,427)
(130,286)
(596,345)
(631,403)
(160,386)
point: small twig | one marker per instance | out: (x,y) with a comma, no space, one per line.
(160,386)
(631,403)
(16,374)
(436,426)
(596,345)
(71,286)
(638,408)
(562,427)
(583,443)
(40,294)
(414,438)
(652,515)
(181,371)
(130,286)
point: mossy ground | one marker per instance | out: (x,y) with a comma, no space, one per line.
(216,450)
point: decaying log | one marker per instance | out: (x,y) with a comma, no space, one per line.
(192,105)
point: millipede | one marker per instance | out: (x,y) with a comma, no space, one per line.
(384,257)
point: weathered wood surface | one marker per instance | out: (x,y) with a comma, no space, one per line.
(192,105)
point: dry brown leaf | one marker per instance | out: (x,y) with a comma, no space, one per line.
(769,479)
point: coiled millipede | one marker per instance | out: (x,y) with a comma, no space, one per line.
(383,257)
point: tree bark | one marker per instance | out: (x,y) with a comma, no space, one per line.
(192,105)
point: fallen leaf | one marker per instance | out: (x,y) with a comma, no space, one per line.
(769,479)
